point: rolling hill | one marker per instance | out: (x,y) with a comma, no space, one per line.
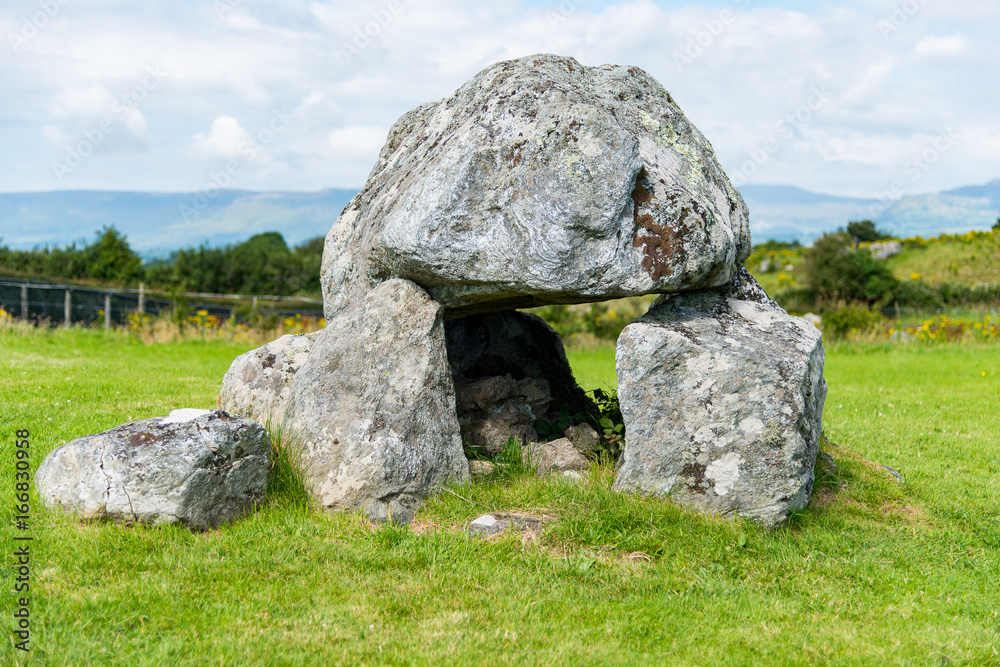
(157,223)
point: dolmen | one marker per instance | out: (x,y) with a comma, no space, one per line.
(542,181)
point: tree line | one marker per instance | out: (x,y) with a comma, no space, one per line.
(263,264)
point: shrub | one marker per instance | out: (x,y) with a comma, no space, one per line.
(850,319)
(834,271)
(865,231)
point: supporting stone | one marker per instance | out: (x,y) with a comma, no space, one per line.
(259,382)
(722,395)
(372,410)
(68,308)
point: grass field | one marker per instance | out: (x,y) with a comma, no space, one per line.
(873,572)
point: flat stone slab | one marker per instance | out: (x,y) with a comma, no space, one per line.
(201,468)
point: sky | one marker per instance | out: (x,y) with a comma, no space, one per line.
(847,98)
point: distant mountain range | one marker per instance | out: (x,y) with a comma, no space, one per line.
(158,223)
(786,213)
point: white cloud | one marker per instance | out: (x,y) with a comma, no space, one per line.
(109,124)
(942,47)
(223,142)
(358,141)
(749,76)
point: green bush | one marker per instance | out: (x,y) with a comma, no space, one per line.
(835,271)
(849,319)
(865,231)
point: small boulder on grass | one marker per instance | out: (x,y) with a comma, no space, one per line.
(555,457)
(584,438)
(201,468)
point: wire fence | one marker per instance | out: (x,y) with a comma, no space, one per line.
(55,304)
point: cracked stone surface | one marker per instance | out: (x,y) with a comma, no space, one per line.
(372,410)
(201,468)
(722,395)
(540,181)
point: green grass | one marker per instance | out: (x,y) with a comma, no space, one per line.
(970,263)
(874,572)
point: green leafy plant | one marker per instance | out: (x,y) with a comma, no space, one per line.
(851,318)
(609,422)
(553,430)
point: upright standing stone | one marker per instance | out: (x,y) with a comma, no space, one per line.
(373,407)
(722,394)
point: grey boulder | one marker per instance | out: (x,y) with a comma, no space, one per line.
(200,468)
(557,456)
(722,396)
(372,410)
(540,181)
(258,383)
(584,438)
(489,525)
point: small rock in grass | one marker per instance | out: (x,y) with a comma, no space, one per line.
(572,476)
(481,468)
(894,473)
(554,457)
(584,438)
(494,524)
(201,468)
(828,461)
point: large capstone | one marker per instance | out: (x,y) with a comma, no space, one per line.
(540,181)
(258,383)
(722,395)
(200,468)
(372,410)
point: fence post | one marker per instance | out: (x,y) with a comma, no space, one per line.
(142,298)
(24,302)
(67,308)
(107,310)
